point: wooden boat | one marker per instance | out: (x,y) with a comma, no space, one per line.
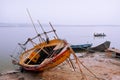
(99,35)
(42,51)
(101,47)
(80,47)
(45,54)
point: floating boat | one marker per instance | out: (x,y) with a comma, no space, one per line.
(80,47)
(99,35)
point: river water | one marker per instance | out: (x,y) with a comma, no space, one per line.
(11,35)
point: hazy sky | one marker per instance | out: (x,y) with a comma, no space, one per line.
(75,12)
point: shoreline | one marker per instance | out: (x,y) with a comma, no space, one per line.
(103,67)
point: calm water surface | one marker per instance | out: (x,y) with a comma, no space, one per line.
(12,35)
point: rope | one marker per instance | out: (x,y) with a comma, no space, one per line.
(79,62)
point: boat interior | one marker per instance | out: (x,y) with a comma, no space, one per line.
(38,55)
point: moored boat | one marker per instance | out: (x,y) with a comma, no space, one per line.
(101,47)
(80,47)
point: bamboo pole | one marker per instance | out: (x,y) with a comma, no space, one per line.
(68,62)
(73,66)
(34,25)
(43,30)
(53,30)
(34,56)
(79,62)
(42,48)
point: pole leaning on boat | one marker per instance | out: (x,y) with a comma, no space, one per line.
(47,38)
(53,30)
(34,26)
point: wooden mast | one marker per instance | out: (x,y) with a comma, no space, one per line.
(53,30)
(47,38)
(34,26)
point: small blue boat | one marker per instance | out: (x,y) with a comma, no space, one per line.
(80,47)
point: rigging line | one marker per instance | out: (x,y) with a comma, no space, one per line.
(79,62)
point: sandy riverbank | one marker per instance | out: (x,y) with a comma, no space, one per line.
(103,67)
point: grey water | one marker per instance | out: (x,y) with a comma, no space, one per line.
(11,35)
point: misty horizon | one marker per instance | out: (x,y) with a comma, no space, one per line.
(47,24)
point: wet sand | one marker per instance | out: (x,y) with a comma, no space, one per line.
(103,67)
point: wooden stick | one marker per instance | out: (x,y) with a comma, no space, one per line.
(33,24)
(43,29)
(78,61)
(67,61)
(73,66)
(53,30)
(34,56)
(32,21)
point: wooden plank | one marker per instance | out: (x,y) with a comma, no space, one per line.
(114,50)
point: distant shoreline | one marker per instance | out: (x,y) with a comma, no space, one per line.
(46,24)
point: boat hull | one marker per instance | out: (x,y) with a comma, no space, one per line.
(102,47)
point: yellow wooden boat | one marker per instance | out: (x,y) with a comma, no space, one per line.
(44,54)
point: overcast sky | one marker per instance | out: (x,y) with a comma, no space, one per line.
(69,12)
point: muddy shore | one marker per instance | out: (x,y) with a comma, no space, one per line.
(105,68)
